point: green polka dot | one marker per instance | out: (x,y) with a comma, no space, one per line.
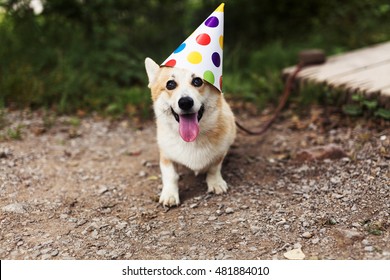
(209,76)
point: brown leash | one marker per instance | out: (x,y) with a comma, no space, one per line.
(306,58)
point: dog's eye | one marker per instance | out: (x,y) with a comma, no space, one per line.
(197,82)
(171,84)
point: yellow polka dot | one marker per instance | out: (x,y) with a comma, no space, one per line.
(221,41)
(220,8)
(194,57)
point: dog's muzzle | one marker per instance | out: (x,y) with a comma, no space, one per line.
(200,114)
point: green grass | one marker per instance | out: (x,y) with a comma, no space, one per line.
(257,78)
(7,132)
(359,105)
(3,120)
(14,133)
(89,56)
(260,82)
(374,227)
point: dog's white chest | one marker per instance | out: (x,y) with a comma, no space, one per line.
(198,155)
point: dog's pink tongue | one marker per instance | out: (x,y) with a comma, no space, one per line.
(188,127)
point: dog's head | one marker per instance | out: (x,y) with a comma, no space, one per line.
(181,97)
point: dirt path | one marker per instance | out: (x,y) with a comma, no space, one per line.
(87,189)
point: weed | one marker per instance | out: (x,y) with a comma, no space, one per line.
(3,120)
(15,133)
(374,231)
(330,221)
(361,105)
(49,120)
(383,113)
(93,59)
(74,121)
(374,227)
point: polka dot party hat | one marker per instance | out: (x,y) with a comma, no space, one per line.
(201,52)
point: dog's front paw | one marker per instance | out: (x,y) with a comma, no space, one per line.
(217,186)
(169,199)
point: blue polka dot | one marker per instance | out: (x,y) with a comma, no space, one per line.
(180,48)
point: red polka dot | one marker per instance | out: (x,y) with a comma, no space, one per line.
(220,83)
(170,63)
(203,39)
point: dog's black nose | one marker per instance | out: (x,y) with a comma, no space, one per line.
(186,103)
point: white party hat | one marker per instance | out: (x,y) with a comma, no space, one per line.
(201,52)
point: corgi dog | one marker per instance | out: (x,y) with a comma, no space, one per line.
(195,127)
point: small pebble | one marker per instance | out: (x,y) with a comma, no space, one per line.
(121,225)
(165,233)
(369,249)
(315,240)
(386,253)
(17,208)
(5,153)
(102,190)
(295,254)
(335,180)
(95,234)
(64,216)
(365,242)
(54,253)
(46,257)
(255,229)
(81,222)
(307,235)
(45,251)
(297,245)
(35,254)
(351,234)
(305,224)
(101,252)
(229,210)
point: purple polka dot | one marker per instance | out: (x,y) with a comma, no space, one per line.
(212,22)
(180,48)
(216,59)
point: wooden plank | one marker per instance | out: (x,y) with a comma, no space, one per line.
(386,93)
(366,70)
(372,79)
(345,63)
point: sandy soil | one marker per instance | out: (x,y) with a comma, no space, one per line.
(88,188)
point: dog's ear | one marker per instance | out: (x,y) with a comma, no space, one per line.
(151,69)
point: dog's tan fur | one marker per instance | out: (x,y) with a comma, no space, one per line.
(217,129)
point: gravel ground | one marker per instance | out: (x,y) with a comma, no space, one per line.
(87,189)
